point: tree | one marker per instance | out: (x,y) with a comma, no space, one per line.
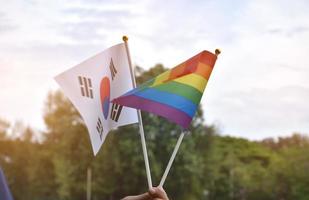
(119,167)
(69,143)
(207,166)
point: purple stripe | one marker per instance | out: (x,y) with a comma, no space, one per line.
(166,111)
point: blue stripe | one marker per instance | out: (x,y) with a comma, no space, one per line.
(169,99)
(141,87)
(131,92)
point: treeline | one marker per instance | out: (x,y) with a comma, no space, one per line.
(208,166)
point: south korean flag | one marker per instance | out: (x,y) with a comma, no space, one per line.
(92,85)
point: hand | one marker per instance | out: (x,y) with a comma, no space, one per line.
(144,196)
(158,193)
(155,193)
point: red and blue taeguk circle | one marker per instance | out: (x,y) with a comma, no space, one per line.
(105,95)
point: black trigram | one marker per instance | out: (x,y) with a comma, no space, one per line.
(85,86)
(115,112)
(112,69)
(100,128)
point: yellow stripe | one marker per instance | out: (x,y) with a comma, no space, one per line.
(193,80)
(161,78)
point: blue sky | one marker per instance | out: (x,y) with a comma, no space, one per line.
(259,87)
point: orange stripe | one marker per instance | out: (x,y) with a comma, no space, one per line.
(203,70)
(208,58)
(192,63)
(201,64)
(177,71)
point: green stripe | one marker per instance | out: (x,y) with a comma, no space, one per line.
(181,89)
(146,84)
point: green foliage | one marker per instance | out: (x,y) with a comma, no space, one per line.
(207,166)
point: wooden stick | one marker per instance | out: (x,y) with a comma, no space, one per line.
(141,128)
(169,165)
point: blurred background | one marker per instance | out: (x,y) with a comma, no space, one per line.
(249,139)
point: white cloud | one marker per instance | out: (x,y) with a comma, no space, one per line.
(259,70)
(260,76)
(262,112)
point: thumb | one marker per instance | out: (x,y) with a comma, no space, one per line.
(161,193)
(158,192)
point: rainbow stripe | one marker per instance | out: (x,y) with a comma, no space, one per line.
(176,93)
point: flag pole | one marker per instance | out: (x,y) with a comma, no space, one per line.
(88,183)
(170,162)
(141,128)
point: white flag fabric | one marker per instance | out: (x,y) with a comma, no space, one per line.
(92,84)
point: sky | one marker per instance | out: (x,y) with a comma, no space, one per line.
(259,87)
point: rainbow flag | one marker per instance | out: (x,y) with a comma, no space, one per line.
(176,93)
